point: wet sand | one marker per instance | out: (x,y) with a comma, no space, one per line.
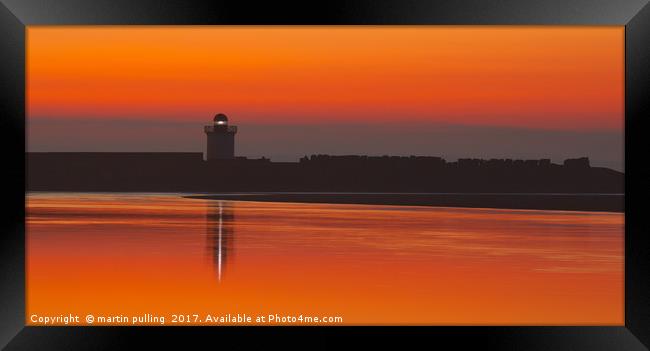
(563,202)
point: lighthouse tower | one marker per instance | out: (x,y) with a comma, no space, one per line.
(221,139)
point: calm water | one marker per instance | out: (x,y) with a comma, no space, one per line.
(136,254)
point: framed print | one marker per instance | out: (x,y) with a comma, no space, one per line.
(467,173)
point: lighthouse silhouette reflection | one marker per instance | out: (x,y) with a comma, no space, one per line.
(220,235)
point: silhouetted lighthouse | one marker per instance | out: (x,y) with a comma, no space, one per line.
(221,139)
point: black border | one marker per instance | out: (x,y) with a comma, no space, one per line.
(633,14)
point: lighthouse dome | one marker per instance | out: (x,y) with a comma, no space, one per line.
(220,118)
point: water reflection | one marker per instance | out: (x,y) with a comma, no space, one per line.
(138,253)
(220,220)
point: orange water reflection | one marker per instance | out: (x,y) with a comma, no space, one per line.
(132,254)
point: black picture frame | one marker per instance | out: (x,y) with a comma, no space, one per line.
(15,15)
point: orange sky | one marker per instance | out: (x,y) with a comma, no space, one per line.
(524,76)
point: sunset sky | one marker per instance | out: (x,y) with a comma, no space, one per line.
(450,91)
